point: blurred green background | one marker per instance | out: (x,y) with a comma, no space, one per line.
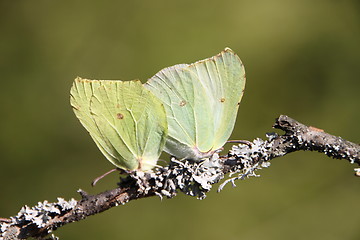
(302,59)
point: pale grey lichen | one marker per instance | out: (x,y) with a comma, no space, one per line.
(196,178)
(248,158)
(192,178)
(39,215)
(53,237)
(209,172)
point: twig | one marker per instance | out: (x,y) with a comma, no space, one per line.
(192,178)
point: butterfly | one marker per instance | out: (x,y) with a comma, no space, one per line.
(126,121)
(188,110)
(201,101)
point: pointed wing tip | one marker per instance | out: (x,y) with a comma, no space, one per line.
(227,50)
(230,52)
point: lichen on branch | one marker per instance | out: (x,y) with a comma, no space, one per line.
(191,178)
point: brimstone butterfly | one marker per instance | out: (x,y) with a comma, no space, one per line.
(126,121)
(201,102)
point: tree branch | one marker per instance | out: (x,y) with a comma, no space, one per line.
(192,178)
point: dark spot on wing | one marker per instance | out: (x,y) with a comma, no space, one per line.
(119,116)
(222,99)
(182,103)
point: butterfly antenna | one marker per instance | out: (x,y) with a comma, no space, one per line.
(104,175)
(246,142)
(161,160)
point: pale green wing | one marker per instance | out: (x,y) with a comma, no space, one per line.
(80,95)
(201,101)
(126,121)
